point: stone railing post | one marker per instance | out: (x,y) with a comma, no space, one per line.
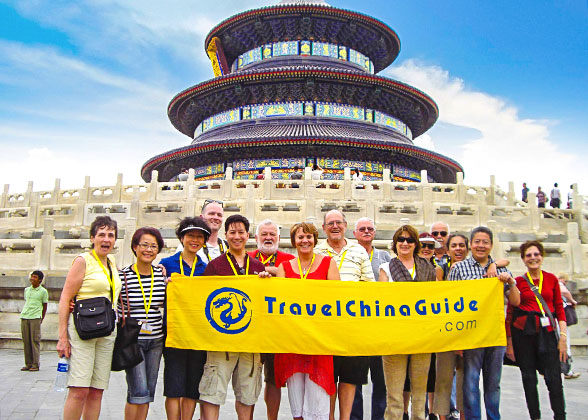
(250,203)
(190,181)
(85,193)
(387,184)
(267,182)
(56,191)
(347,183)
(482,208)
(4,198)
(117,193)
(491,198)
(44,262)
(129,226)
(511,194)
(228,183)
(28,194)
(461,188)
(153,186)
(427,200)
(534,211)
(575,247)
(309,195)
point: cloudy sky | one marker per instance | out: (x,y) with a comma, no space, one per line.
(84,85)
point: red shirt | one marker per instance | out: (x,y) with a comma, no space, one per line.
(278,258)
(550,292)
(220,266)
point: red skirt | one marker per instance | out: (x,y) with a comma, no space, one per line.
(319,369)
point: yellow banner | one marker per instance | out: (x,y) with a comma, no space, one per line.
(278,315)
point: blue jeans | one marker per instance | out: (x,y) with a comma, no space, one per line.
(378,392)
(142,379)
(488,360)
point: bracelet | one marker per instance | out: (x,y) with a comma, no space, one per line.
(563,334)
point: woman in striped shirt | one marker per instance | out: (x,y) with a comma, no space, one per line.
(143,294)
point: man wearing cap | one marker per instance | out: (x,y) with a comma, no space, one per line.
(243,368)
(440,231)
(365,232)
(267,236)
(354,265)
(212,213)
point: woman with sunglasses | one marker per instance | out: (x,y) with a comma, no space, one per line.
(531,332)
(183,368)
(310,379)
(407,266)
(143,294)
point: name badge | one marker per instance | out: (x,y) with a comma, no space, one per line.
(146,328)
(544,321)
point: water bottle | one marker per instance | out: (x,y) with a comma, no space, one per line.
(61,378)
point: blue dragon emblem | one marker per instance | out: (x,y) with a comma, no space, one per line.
(228,310)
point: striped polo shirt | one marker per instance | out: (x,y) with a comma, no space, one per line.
(356,264)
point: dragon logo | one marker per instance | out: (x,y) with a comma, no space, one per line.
(229,310)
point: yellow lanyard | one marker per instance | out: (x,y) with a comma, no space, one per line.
(233,267)
(371,254)
(413,271)
(305,275)
(147,305)
(540,288)
(182,266)
(342,258)
(108,276)
(260,258)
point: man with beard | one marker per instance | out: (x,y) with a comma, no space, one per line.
(267,237)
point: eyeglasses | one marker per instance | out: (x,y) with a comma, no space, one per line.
(149,246)
(366,229)
(534,254)
(441,233)
(408,240)
(430,246)
(335,223)
(208,201)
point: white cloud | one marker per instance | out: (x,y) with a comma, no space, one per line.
(500,143)
(425,141)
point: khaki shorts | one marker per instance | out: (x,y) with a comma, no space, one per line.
(90,360)
(243,368)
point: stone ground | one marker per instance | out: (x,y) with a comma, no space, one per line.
(30,395)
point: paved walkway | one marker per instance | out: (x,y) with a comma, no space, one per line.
(30,395)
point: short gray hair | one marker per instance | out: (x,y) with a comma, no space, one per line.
(440,221)
(363,219)
(266,222)
(338,211)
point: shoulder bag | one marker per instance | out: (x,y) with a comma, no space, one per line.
(126,353)
(94,317)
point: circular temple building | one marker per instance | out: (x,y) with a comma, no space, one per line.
(297,84)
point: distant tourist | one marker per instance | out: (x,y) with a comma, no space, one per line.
(260,174)
(571,197)
(525,192)
(568,300)
(297,174)
(183,175)
(541,198)
(317,172)
(31,317)
(357,175)
(92,275)
(555,197)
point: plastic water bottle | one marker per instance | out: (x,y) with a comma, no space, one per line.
(61,378)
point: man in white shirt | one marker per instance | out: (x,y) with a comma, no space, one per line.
(354,264)
(212,213)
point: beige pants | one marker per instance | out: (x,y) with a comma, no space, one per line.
(31,340)
(447,363)
(395,375)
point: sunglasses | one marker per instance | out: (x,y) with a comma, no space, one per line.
(430,246)
(404,239)
(366,229)
(208,201)
(442,233)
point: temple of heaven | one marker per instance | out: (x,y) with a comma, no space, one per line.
(295,84)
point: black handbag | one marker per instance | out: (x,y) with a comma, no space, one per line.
(571,316)
(93,318)
(126,353)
